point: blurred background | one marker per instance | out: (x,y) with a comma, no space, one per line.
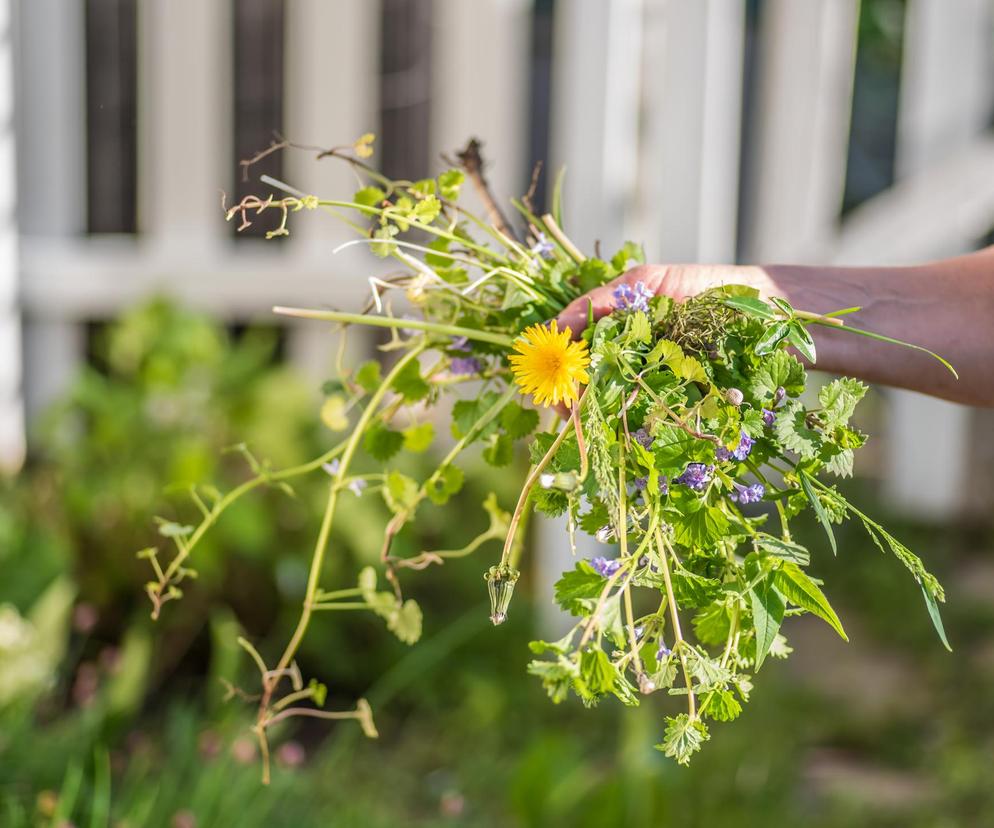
(136,343)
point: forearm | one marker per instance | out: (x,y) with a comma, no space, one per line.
(946,306)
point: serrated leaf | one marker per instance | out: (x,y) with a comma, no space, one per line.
(410,384)
(426,210)
(382,443)
(400,492)
(778,370)
(368,376)
(369,197)
(443,484)
(819,510)
(578,588)
(597,671)
(449,183)
(721,705)
(767,615)
(838,401)
(629,252)
(683,738)
(795,585)
(406,622)
(518,421)
(794,433)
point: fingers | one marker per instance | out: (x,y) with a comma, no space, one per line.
(602,299)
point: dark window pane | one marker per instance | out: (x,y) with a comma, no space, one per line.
(540,103)
(111,135)
(405,85)
(258,56)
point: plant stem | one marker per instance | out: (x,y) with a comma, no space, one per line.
(393,322)
(678,642)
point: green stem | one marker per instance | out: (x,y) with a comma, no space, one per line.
(393,322)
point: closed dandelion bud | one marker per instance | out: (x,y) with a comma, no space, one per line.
(734,397)
(546,480)
(563,481)
(500,584)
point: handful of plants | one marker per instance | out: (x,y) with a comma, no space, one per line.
(687,451)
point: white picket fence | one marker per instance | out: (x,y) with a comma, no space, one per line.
(646,116)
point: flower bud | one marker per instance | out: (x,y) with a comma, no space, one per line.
(500,584)
(733,396)
(778,396)
(646,684)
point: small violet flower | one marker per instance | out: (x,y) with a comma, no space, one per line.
(543,247)
(747,494)
(696,476)
(459,343)
(740,452)
(664,486)
(769,417)
(332,467)
(632,298)
(605,567)
(663,652)
(639,483)
(465,365)
(643,438)
(356,486)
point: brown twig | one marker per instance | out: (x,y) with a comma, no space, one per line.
(526,199)
(471,161)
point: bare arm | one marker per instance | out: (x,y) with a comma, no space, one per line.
(947,306)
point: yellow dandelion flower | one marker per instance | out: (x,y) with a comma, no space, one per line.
(548,365)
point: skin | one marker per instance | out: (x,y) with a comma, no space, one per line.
(947,306)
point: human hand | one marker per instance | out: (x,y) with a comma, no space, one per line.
(679,282)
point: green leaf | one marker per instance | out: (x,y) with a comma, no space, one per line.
(384,245)
(423,187)
(426,210)
(465,413)
(819,510)
(795,585)
(369,197)
(500,452)
(449,183)
(333,413)
(933,613)
(801,339)
(592,274)
(557,677)
(838,401)
(410,384)
(785,550)
(518,421)
(417,438)
(368,376)
(382,443)
(578,588)
(443,484)
(767,615)
(721,705)
(774,335)
(400,492)
(794,433)
(700,528)
(711,626)
(629,252)
(778,370)
(405,623)
(597,671)
(683,738)
(751,306)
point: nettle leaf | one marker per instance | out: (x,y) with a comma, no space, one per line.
(596,518)
(838,461)
(597,671)
(683,738)
(417,438)
(701,527)
(778,370)
(410,384)
(578,589)
(518,421)
(557,676)
(382,443)
(767,615)
(721,705)
(444,483)
(368,376)
(711,626)
(795,585)
(794,433)
(400,492)
(838,401)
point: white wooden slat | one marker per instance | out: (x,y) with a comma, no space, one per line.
(184,120)
(480,61)
(54,346)
(946,96)
(692,91)
(595,124)
(797,171)
(11,406)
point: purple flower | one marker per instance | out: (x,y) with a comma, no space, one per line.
(696,476)
(459,343)
(778,396)
(643,438)
(357,485)
(465,365)
(605,567)
(723,454)
(747,494)
(663,652)
(332,467)
(632,298)
(639,483)
(741,451)
(543,247)
(664,486)
(769,417)
(638,632)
